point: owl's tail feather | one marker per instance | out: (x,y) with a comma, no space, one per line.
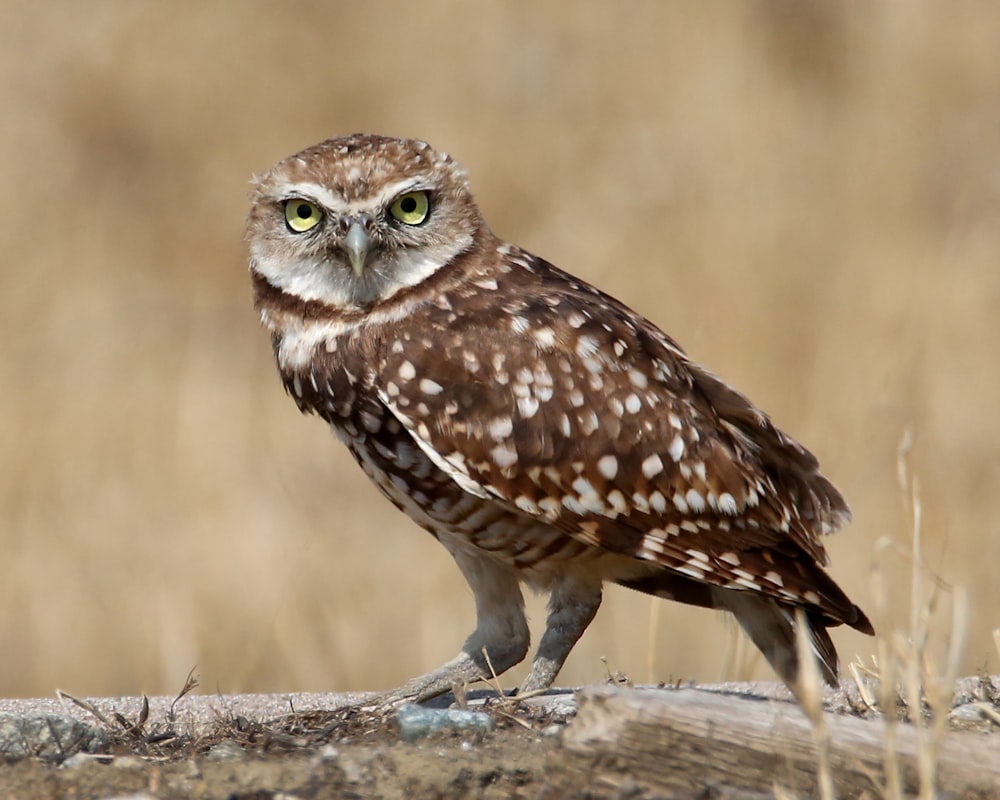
(772,626)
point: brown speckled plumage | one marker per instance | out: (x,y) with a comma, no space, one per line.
(540,429)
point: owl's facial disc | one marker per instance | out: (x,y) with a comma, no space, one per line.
(351,229)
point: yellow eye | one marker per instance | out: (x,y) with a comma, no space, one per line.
(301,215)
(411,208)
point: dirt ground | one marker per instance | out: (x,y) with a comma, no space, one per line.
(731,741)
(510,763)
(304,754)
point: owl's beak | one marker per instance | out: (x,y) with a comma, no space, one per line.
(356,244)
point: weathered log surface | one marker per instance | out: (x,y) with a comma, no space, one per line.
(696,741)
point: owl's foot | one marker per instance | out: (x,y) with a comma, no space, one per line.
(572,607)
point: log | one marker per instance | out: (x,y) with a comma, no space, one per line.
(705,744)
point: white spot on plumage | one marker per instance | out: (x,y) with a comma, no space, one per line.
(570,503)
(504,455)
(695,501)
(471,361)
(519,324)
(680,503)
(749,578)
(676,449)
(407,371)
(608,466)
(651,466)
(593,503)
(427,386)
(588,422)
(658,502)
(500,428)
(546,337)
(617,501)
(549,506)
(526,504)
(727,503)
(633,404)
(693,572)
(586,346)
(638,379)
(527,406)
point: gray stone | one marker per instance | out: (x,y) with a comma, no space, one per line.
(50,737)
(418,721)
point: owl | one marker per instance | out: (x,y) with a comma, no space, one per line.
(542,431)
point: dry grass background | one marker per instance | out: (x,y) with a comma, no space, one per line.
(806,195)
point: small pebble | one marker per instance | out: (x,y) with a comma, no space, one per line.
(225,750)
(128,762)
(328,753)
(416,721)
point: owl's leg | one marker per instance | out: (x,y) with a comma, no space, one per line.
(501,630)
(572,606)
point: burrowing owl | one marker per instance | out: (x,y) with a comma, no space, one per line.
(541,430)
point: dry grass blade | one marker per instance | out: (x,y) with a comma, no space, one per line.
(810,693)
(86,705)
(190,684)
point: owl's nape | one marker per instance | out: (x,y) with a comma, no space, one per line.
(541,430)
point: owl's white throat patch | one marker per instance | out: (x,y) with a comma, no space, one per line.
(410,267)
(332,282)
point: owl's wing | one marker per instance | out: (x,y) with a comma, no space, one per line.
(573,409)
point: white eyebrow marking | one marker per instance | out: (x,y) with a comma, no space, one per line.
(323,195)
(394,190)
(336,203)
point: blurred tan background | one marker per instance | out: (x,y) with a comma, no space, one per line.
(806,195)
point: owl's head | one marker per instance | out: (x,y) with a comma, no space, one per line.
(352,221)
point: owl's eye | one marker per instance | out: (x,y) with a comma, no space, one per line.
(411,208)
(301,215)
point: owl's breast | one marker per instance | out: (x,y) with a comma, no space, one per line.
(339,384)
